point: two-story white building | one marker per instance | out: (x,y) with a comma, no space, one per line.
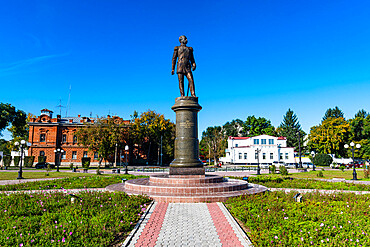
(263,149)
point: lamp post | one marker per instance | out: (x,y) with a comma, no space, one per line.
(313,165)
(22,145)
(115,156)
(352,144)
(126,154)
(258,161)
(58,152)
(161,151)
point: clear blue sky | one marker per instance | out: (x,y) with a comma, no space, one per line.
(253,57)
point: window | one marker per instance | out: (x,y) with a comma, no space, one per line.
(42,153)
(263,141)
(42,138)
(85,154)
(236,145)
(96,156)
(64,155)
(281,156)
(245,156)
(271,156)
(64,138)
(271,141)
(256,155)
(286,156)
(74,155)
(74,139)
(264,156)
(240,156)
(256,141)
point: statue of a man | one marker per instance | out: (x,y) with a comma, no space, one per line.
(185,64)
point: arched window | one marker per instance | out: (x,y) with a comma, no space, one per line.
(74,139)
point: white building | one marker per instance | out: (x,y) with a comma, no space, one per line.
(263,149)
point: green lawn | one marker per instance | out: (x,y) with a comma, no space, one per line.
(52,174)
(328,174)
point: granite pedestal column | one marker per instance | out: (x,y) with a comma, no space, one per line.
(186,160)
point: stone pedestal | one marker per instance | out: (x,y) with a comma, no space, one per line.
(186,160)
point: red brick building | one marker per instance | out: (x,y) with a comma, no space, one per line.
(47,134)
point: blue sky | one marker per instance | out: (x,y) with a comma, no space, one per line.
(253,57)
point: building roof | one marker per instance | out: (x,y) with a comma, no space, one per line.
(238,138)
(281,138)
(46,110)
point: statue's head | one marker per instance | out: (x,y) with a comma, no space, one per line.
(183,39)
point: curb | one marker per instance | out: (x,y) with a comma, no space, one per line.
(137,226)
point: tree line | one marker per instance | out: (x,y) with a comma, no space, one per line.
(328,137)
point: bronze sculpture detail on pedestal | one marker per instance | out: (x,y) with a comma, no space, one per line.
(185,64)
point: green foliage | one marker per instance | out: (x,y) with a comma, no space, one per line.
(41,159)
(273,169)
(283,171)
(85,162)
(361,114)
(290,128)
(147,131)
(70,183)
(16,118)
(333,113)
(330,136)
(367,172)
(320,174)
(233,128)
(322,160)
(342,167)
(16,160)
(258,126)
(4,146)
(7,160)
(51,219)
(28,161)
(275,219)
(71,166)
(213,140)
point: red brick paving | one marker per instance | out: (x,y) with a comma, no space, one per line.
(224,230)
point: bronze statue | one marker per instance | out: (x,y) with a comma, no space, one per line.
(185,64)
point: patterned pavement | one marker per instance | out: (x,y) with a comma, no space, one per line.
(187,224)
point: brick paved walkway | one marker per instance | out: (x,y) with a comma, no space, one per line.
(188,224)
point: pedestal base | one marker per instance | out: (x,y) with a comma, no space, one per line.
(187,171)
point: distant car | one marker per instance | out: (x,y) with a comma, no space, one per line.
(44,165)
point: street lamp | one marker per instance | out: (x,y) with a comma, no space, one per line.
(258,161)
(22,145)
(115,156)
(353,157)
(126,154)
(313,165)
(58,153)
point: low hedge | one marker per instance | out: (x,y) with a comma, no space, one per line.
(16,160)
(28,161)
(41,159)
(7,160)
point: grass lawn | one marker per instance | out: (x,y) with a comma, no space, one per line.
(328,174)
(52,174)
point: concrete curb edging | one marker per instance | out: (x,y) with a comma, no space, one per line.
(137,226)
(241,234)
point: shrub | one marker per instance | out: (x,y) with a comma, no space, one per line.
(273,169)
(85,162)
(320,174)
(7,160)
(17,160)
(41,159)
(28,161)
(342,167)
(367,172)
(283,171)
(71,166)
(322,160)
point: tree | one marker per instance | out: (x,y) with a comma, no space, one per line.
(16,118)
(360,133)
(333,113)
(102,136)
(361,114)
(258,126)
(233,128)
(290,128)
(330,136)
(213,138)
(322,160)
(148,130)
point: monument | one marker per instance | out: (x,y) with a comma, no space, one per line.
(186,181)
(186,160)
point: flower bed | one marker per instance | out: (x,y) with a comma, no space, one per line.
(275,219)
(277,182)
(69,183)
(98,219)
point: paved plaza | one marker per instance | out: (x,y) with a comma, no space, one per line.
(187,224)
